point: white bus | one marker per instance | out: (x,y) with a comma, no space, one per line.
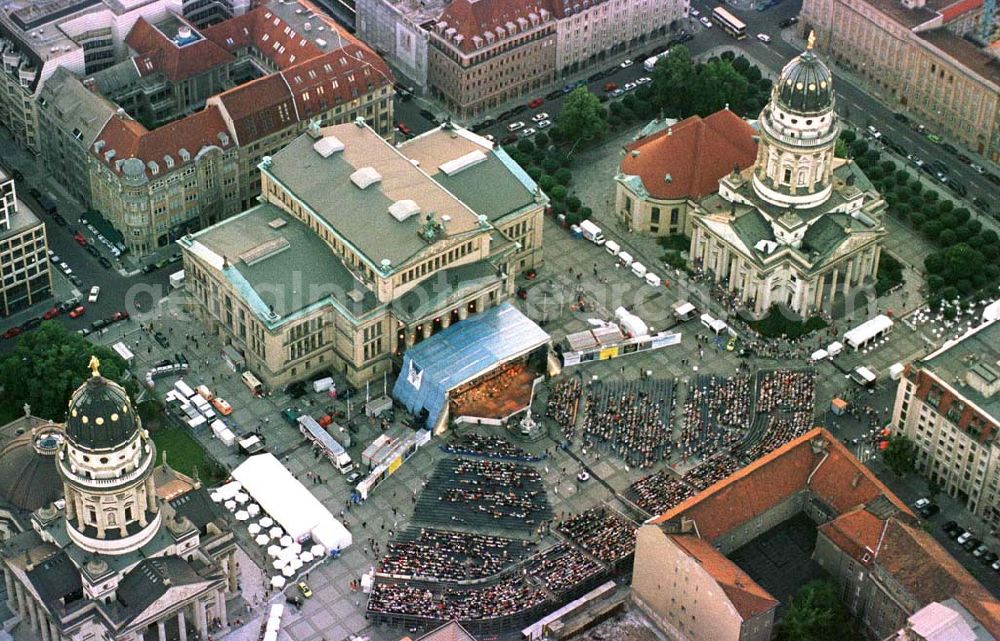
(730,23)
(650,63)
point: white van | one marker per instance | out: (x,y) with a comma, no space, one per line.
(639,269)
(592,232)
(625,259)
(653,280)
(612,247)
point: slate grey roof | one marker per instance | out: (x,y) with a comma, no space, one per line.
(825,234)
(150,580)
(305,273)
(56,578)
(444,287)
(752,228)
(74,107)
(197,507)
(489,188)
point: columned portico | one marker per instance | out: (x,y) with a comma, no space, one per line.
(182,625)
(161,631)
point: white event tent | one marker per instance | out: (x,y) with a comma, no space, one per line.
(289,503)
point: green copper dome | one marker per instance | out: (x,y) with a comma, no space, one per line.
(100,416)
(805,85)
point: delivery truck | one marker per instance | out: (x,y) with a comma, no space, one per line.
(592,232)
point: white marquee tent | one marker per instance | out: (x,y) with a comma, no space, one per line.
(289,503)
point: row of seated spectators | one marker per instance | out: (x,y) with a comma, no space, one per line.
(561,567)
(444,555)
(506,597)
(603,533)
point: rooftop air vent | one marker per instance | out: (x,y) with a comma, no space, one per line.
(277,223)
(366,177)
(327,146)
(356,295)
(320,43)
(453,167)
(264,251)
(99,145)
(403,209)
(109,155)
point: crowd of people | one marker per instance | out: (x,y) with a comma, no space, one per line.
(484,492)
(444,555)
(711,471)
(470,399)
(604,534)
(506,597)
(631,419)
(778,431)
(659,492)
(717,412)
(787,390)
(488,446)
(561,567)
(564,401)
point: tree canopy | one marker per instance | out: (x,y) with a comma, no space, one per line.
(899,454)
(581,116)
(815,614)
(48,364)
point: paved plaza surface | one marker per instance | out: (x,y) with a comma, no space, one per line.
(575,269)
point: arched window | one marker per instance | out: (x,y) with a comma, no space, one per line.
(111,517)
(803,176)
(788,175)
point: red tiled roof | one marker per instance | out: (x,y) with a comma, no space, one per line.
(472,18)
(747,597)
(856,533)
(157,53)
(129,139)
(959,8)
(930,573)
(257,109)
(696,152)
(266,32)
(837,477)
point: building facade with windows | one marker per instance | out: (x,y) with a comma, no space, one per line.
(949,406)
(484,54)
(800,228)
(912,54)
(672,165)
(589,32)
(360,249)
(24,260)
(129,552)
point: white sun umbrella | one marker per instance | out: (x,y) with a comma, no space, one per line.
(217,497)
(286,541)
(242,515)
(276,532)
(253,509)
(295,564)
(253,528)
(262,539)
(230,505)
(306,557)
(270,635)
(273,550)
(287,554)
(317,550)
(296,547)
(266,522)
(279,563)
(278,581)
(242,497)
(287,571)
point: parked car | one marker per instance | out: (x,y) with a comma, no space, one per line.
(544,124)
(763,37)
(988,558)
(100,323)
(951,526)
(971,544)
(921,503)
(552,95)
(508,139)
(951,149)
(536,103)
(626,63)
(610,86)
(427,115)
(67,305)
(514,126)
(981,205)
(934,138)
(962,158)
(694,13)
(51,313)
(304,589)
(958,188)
(104,262)
(903,118)
(120,316)
(65,268)
(95,291)
(706,22)
(78,237)
(59,220)
(928,511)
(644,80)
(77,311)
(629,86)
(787,22)
(12,332)
(540,116)
(980,550)
(403,128)
(963,537)
(31,323)
(993,178)
(978,168)
(529,132)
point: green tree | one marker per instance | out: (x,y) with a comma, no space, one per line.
(848,136)
(558,193)
(564,176)
(581,116)
(573,203)
(48,364)
(525,146)
(815,614)
(840,148)
(673,71)
(586,213)
(546,182)
(899,454)
(550,165)
(541,140)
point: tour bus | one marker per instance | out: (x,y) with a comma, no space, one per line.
(730,23)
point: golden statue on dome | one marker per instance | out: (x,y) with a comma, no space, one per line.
(94,365)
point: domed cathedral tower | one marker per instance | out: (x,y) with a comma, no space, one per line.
(106,464)
(799,131)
